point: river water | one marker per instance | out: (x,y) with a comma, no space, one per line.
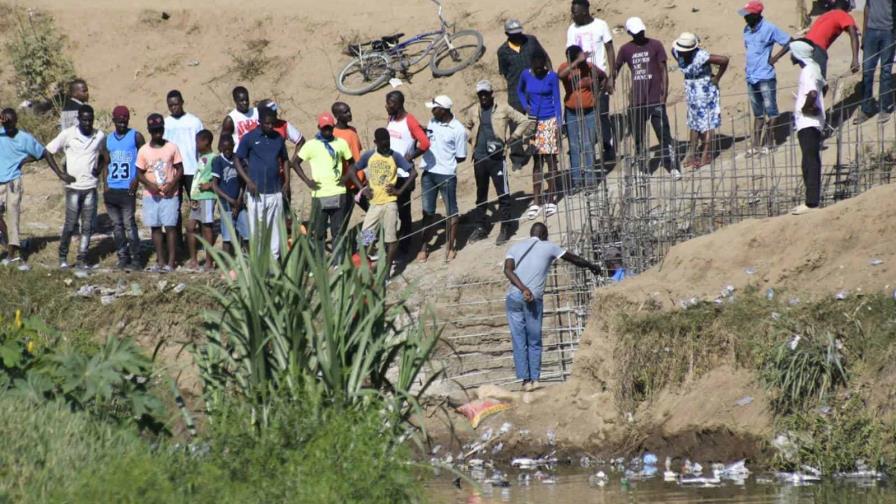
(575,488)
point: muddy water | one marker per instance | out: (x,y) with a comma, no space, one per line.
(575,489)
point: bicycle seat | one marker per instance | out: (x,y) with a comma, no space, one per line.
(392,39)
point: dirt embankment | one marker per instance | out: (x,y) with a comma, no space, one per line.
(847,248)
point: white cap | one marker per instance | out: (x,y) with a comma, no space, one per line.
(484,85)
(440,101)
(634,25)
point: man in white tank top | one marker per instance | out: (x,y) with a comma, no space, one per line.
(241,119)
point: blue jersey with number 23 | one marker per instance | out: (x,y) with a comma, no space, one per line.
(122,159)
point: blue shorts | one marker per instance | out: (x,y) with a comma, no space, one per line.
(241,225)
(435,184)
(160,212)
(764,98)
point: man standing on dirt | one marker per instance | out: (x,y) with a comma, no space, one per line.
(409,140)
(760,37)
(17,147)
(809,120)
(120,179)
(242,119)
(260,160)
(78,95)
(344,130)
(877,44)
(181,129)
(83,148)
(596,40)
(514,56)
(526,266)
(492,127)
(646,58)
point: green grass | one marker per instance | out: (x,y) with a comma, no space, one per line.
(51,454)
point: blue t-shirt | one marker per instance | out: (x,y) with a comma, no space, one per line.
(263,154)
(229,180)
(122,159)
(13,151)
(759,42)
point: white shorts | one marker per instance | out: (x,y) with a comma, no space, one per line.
(205,213)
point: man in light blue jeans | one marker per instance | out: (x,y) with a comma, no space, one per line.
(526,266)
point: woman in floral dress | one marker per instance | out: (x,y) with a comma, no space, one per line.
(702,92)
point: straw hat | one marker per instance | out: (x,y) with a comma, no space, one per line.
(686,42)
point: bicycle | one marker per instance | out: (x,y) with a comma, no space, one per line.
(377,61)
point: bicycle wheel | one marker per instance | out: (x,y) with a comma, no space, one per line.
(463,49)
(365,74)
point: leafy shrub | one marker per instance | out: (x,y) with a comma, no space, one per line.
(110,381)
(804,370)
(37,52)
(253,62)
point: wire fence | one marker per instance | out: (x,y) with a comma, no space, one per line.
(633,209)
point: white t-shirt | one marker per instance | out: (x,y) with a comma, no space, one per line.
(81,155)
(182,132)
(448,142)
(242,123)
(810,80)
(591,38)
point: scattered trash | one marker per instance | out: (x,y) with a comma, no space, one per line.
(743,401)
(750,271)
(735,471)
(180,288)
(770,294)
(436,449)
(551,438)
(193,63)
(776,316)
(67,281)
(807,476)
(505,428)
(162,285)
(728,291)
(875,262)
(81,274)
(395,82)
(598,479)
(497,448)
(785,446)
(842,295)
(700,481)
(524,463)
(585,462)
(649,459)
(487,434)
(669,474)
(793,301)
(478,410)
(524,479)
(691,468)
(794,341)
(824,410)
(108,299)
(86,290)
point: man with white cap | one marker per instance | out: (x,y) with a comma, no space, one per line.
(448,147)
(760,37)
(492,126)
(809,118)
(514,56)
(596,40)
(646,58)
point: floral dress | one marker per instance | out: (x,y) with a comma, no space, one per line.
(704,108)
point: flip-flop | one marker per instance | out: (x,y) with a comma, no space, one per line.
(550,209)
(533,211)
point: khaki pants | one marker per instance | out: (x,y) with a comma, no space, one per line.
(11,208)
(383,215)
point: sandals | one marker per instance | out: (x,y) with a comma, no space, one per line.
(550,209)
(533,211)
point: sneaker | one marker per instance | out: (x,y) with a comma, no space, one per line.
(860,117)
(82,265)
(534,385)
(24,267)
(752,151)
(166,269)
(802,210)
(676,174)
(15,261)
(63,265)
(884,117)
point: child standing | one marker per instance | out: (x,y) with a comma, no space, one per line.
(160,169)
(202,201)
(226,183)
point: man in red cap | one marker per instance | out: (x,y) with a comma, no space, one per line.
(120,182)
(259,160)
(327,154)
(760,37)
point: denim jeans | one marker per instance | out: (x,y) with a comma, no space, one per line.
(524,320)
(79,204)
(764,98)
(581,130)
(121,208)
(435,184)
(878,46)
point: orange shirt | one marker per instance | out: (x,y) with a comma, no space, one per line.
(351,137)
(579,86)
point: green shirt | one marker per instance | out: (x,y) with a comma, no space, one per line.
(326,169)
(203,176)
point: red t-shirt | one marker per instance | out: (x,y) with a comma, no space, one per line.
(828,27)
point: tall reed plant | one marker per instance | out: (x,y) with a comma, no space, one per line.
(311,322)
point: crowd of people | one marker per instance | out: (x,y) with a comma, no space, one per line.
(246,174)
